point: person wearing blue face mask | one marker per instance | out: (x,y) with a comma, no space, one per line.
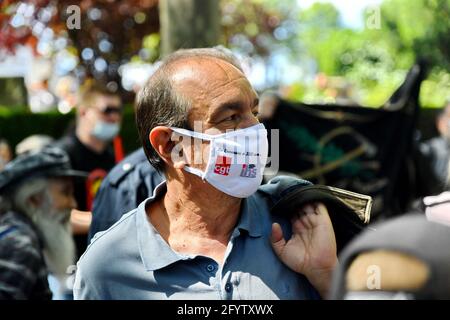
(90,149)
(207,231)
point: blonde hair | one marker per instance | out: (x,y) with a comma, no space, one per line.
(90,90)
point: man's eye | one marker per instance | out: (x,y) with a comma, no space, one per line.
(231,118)
(256,113)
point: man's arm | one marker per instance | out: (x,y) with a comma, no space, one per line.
(80,221)
(20,265)
(312,247)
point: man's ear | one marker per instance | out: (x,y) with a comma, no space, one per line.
(168,149)
(36,200)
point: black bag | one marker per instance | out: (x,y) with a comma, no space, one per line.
(349,211)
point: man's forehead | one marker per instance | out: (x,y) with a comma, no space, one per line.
(203,69)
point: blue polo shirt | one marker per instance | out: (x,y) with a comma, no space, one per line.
(132,261)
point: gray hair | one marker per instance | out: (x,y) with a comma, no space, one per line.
(158,104)
(17,199)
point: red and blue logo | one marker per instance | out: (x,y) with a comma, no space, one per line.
(222,165)
(248,171)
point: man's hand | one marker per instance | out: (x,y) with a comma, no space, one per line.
(80,221)
(312,247)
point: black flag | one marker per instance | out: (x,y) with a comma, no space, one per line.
(364,150)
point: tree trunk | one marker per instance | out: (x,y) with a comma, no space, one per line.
(188,24)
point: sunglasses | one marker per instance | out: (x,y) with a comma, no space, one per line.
(109,110)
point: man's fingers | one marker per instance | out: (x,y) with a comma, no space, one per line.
(321,209)
(277,239)
(277,233)
(309,209)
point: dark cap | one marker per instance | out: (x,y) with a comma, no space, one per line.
(411,234)
(48,162)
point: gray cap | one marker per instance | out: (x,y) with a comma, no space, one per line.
(48,162)
(411,234)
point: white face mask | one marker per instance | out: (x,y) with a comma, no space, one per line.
(105,131)
(236,159)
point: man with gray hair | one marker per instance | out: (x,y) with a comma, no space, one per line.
(36,197)
(206,232)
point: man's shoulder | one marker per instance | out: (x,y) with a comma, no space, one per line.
(17,230)
(277,187)
(435,145)
(108,243)
(19,241)
(106,255)
(135,161)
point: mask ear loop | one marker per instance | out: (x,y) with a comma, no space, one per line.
(210,158)
(201,136)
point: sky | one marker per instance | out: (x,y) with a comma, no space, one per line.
(351,10)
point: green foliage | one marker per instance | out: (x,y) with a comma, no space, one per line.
(151,44)
(375,60)
(258,27)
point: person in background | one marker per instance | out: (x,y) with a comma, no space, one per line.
(404,258)
(433,156)
(35,143)
(36,197)
(436,207)
(206,233)
(5,153)
(93,147)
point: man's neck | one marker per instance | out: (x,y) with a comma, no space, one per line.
(201,209)
(89,141)
(195,218)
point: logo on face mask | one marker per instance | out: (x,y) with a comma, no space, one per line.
(248,171)
(234,157)
(222,165)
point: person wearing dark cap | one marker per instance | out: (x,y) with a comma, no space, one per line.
(403,258)
(36,197)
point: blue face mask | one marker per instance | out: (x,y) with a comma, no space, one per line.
(105,131)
